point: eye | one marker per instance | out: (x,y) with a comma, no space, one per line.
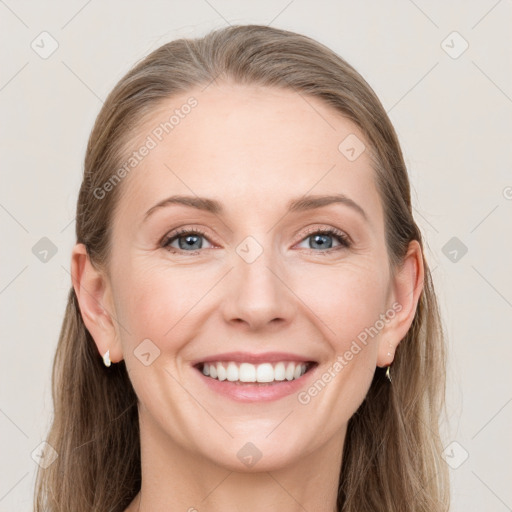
(189,240)
(322,238)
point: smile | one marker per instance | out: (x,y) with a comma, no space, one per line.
(255,376)
(261,373)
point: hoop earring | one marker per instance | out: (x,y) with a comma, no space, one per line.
(106,358)
(388,374)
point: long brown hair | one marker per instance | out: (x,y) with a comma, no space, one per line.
(392,453)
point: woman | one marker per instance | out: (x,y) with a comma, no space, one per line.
(247,269)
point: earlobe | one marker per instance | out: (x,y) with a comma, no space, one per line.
(96,307)
(407,286)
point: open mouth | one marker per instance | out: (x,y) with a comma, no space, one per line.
(261,374)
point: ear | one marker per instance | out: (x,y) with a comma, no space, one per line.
(94,296)
(406,288)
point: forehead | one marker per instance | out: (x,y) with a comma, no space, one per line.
(239,143)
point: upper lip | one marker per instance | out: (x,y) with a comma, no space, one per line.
(254,358)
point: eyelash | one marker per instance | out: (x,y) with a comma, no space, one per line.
(344,240)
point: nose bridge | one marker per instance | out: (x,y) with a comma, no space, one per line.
(254,263)
(256,294)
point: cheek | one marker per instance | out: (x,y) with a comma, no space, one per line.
(347,300)
(157,302)
(347,308)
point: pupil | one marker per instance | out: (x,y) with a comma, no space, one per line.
(322,244)
(318,239)
(189,241)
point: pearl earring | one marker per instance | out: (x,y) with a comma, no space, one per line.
(106,358)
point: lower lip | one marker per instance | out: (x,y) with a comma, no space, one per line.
(250,392)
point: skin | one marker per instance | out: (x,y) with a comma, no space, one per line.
(253,149)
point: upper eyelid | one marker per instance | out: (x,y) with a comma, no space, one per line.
(335,232)
(316,229)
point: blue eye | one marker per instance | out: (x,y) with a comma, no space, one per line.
(189,240)
(320,238)
(189,237)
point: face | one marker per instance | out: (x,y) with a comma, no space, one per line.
(267,280)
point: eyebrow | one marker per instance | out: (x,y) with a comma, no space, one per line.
(295,205)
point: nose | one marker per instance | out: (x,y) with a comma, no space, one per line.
(257,294)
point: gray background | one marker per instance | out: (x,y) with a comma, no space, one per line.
(452,110)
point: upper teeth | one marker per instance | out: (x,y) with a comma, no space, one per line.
(247,372)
